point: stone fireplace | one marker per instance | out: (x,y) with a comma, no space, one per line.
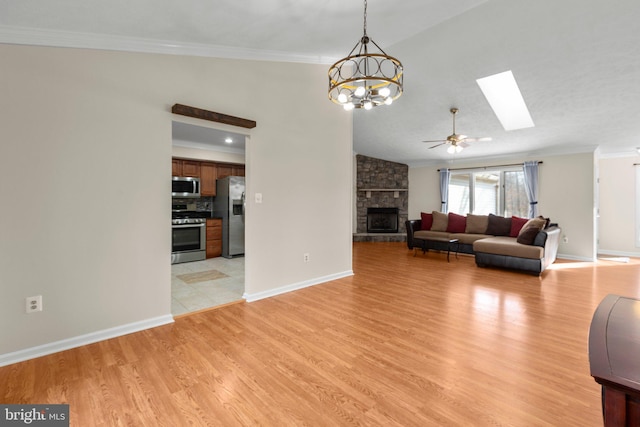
(382,200)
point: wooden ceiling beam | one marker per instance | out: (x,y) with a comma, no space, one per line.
(199,113)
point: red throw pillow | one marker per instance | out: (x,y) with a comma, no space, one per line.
(427,221)
(516,225)
(457,223)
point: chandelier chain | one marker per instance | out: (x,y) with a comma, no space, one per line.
(365,18)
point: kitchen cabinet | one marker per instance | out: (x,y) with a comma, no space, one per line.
(207,171)
(214,237)
(185,168)
(225,170)
(208,176)
(176,167)
(190,168)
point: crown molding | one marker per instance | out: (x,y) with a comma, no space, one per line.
(57,38)
(542,153)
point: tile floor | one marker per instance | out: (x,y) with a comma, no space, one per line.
(188,297)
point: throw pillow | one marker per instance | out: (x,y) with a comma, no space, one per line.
(457,223)
(530,230)
(516,225)
(498,225)
(477,224)
(427,221)
(440,221)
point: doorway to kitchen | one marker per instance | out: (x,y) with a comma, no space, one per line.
(203,284)
(217,278)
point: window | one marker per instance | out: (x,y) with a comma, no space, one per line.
(500,192)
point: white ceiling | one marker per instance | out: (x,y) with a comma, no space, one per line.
(577,62)
(206,138)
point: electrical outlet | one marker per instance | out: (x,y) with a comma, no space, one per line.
(306,257)
(33,304)
(565,239)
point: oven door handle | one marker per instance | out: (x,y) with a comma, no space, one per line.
(188,225)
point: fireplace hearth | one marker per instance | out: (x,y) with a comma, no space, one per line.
(382,220)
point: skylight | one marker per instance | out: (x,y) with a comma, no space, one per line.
(503,94)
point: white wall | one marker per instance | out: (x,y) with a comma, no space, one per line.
(566,189)
(618,206)
(79,127)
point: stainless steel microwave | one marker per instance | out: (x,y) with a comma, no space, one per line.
(185,187)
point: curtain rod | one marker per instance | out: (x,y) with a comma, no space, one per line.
(487,167)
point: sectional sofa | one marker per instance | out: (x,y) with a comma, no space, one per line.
(528,245)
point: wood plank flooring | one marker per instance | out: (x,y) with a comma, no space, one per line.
(406,341)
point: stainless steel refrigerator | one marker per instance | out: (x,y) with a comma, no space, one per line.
(229,205)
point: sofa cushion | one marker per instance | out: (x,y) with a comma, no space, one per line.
(477,224)
(516,225)
(530,230)
(440,221)
(456,223)
(508,246)
(427,221)
(468,238)
(427,234)
(498,225)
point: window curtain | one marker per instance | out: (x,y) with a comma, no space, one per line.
(531,185)
(445,177)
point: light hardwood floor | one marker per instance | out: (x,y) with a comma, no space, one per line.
(407,341)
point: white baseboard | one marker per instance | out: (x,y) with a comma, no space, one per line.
(295,286)
(66,344)
(618,253)
(575,258)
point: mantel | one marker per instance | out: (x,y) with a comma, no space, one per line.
(396,191)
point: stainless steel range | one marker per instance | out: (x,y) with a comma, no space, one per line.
(188,235)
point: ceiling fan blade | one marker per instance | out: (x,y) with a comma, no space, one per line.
(482,139)
(437,145)
(462,144)
(436,140)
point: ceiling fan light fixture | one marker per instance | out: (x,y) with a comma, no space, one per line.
(375,78)
(452,149)
(457,142)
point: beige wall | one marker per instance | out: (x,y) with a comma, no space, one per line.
(85,183)
(566,195)
(618,206)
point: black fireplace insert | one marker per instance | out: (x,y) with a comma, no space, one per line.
(382,220)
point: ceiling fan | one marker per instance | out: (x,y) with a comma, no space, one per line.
(456,141)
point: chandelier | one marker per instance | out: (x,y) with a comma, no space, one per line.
(364,79)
